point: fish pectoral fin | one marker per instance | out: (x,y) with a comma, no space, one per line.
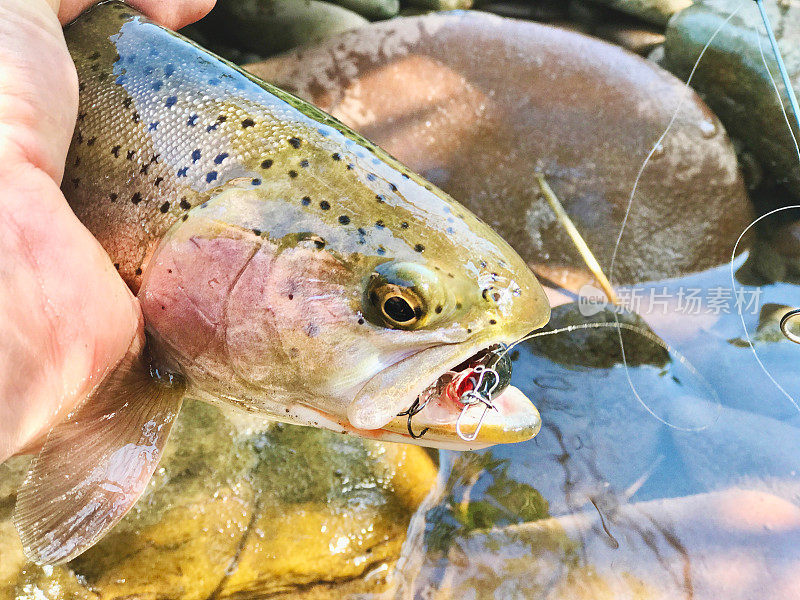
(95,465)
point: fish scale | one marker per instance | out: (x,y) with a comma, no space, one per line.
(174,148)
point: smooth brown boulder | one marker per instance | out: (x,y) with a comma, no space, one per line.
(477,103)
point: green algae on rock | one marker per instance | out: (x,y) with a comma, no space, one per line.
(478,103)
(241,509)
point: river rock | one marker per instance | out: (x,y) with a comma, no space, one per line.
(733,79)
(372,9)
(265,27)
(241,511)
(737,545)
(477,104)
(655,11)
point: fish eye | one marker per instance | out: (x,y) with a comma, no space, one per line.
(395,306)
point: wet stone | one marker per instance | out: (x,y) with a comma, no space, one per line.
(655,11)
(734,81)
(238,510)
(477,104)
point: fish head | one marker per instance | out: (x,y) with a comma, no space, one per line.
(338,289)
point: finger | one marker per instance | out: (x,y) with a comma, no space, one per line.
(173,14)
(66,317)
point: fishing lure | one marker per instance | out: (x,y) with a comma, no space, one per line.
(468,385)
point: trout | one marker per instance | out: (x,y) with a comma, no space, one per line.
(284,265)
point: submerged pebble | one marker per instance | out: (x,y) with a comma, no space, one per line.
(242,509)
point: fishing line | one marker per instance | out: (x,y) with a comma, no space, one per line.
(793,103)
(649,335)
(656,147)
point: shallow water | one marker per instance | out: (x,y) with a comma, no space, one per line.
(618,503)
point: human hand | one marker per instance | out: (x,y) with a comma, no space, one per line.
(66,317)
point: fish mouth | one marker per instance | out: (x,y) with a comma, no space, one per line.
(411,402)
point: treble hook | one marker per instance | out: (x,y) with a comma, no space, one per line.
(785,325)
(412,411)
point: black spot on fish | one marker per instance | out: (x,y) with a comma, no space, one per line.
(131,154)
(336,156)
(294,142)
(222,119)
(220,157)
(403,225)
(256,181)
(362,231)
(380,198)
(116,266)
(127,102)
(248,123)
(266,164)
(192,121)
(393,187)
(115,151)
(81,116)
(144,169)
(153,126)
(112,196)
(380,224)
(381,250)
(211,176)
(138,271)
(154,158)
(304,163)
(184,204)
(350,166)
(184,217)
(492,322)
(91,141)
(136,198)
(419,248)
(325,205)
(405,175)
(438,309)
(371,177)
(257,231)
(81,86)
(182,172)
(164,207)
(136,117)
(305,201)
(293,174)
(360,321)
(344,220)
(171,101)
(158,181)
(196,156)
